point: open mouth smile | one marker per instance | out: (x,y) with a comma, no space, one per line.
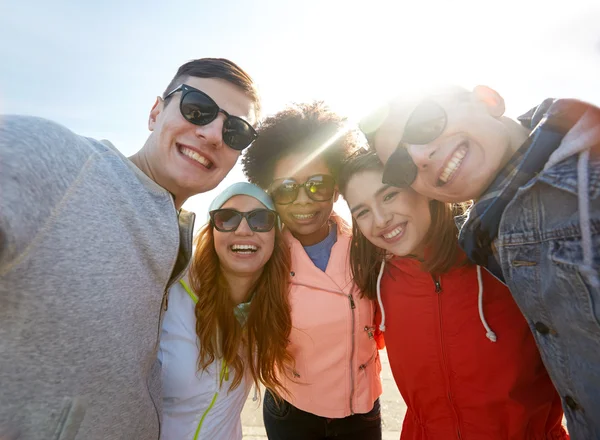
(453,164)
(194,155)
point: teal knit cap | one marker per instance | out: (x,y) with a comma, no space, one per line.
(242,189)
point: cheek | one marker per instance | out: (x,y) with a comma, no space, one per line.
(230,157)
(269,251)
(220,245)
(420,186)
(326,207)
(365,228)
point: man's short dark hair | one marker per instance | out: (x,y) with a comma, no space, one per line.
(216,68)
(300,128)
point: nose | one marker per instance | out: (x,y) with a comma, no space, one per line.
(243,229)
(302,198)
(382,218)
(422,155)
(212,132)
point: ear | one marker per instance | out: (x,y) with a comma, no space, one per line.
(491,99)
(157,108)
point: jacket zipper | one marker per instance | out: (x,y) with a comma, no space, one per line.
(352,307)
(224,374)
(363,367)
(165,305)
(438,290)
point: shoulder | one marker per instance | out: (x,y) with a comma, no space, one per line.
(179,322)
(37,134)
(43,149)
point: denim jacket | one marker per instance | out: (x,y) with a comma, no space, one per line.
(547,244)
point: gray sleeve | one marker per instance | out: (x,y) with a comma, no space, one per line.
(39,160)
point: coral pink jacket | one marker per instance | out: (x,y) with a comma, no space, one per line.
(333,339)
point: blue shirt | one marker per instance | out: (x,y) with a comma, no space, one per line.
(319,253)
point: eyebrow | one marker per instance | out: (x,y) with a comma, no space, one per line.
(377,193)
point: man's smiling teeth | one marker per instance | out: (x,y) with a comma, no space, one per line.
(453,163)
(304,216)
(244,248)
(394,233)
(193,155)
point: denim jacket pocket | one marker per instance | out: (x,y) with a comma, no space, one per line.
(71,416)
(566,255)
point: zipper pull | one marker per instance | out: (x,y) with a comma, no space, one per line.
(363,368)
(352,305)
(369,331)
(438,285)
(165,301)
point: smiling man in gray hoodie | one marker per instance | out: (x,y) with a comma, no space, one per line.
(90,241)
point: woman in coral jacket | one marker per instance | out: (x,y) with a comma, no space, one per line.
(334,386)
(461,353)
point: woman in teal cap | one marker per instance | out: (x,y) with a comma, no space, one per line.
(228,321)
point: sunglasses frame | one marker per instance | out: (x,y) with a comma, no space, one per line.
(243,215)
(305,186)
(400,170)
(186,90)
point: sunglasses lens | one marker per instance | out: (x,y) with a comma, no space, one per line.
(262,220)
(237,133)
(198,108)
(320,188)
(226,220)
(285,192)
(425,124)
(400,170)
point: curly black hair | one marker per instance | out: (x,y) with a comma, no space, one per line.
(301,128)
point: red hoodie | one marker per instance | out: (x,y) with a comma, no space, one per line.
(457,382)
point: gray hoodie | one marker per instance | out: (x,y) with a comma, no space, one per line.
(88,247)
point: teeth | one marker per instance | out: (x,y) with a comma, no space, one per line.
(453,163)
(304,216)
(394,233)
(193,155)
(244,248)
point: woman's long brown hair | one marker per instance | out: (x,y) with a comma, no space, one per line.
(261,344)
(441,241)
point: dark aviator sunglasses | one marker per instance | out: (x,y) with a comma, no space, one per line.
(228,220)
(320,188)
(200,109)
(425,124)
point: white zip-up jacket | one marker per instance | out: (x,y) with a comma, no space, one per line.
(196,404)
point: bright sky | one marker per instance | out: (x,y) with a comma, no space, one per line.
(97,67)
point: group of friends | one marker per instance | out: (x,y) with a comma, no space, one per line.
(473,257)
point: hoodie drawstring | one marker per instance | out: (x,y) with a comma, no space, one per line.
(581,144)
(489,332)
(382,325)
(585,225)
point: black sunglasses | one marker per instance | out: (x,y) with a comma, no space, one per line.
(425,124)
(228,220)
(200,109)
(320,188)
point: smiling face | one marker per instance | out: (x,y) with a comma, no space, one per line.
(460,163)
(393,219)
(306,219)
(188,159)
(244,252)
